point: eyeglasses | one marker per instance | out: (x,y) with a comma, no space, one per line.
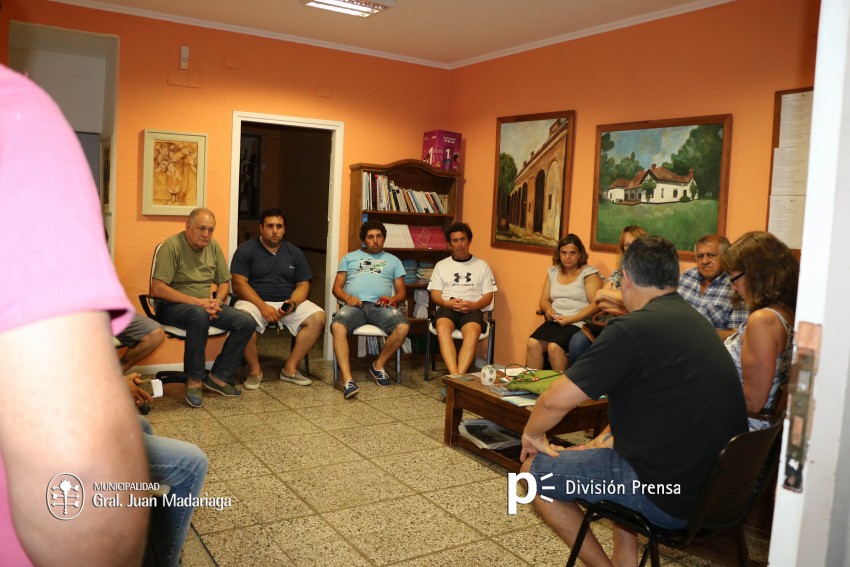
(733,280)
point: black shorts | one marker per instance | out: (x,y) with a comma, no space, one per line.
(458,318)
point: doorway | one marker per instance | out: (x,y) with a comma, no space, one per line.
(286,162)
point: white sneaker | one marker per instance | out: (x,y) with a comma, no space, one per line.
(252,382)
(298,378)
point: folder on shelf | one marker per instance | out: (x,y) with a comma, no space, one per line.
(429,237)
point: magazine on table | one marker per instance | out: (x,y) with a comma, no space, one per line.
(488,435)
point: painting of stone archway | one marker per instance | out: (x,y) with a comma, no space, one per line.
(534,155)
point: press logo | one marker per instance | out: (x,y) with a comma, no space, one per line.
(531,492)
(65,496)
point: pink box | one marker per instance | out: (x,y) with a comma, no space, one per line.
(441,149)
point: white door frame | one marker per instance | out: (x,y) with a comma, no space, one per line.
(336,130)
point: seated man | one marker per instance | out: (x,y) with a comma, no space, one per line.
(272,279)
(461,287)
(183,468)
(187,266)
(141,337)
(707,288)
(364,284)
(656,364)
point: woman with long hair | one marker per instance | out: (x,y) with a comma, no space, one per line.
(764,274)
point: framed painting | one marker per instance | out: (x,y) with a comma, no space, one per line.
(105,172)
(531,199)
(173,172)
(669,176)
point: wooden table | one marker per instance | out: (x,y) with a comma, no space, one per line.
(476,398)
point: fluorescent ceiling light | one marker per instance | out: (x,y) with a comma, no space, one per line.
(362,8)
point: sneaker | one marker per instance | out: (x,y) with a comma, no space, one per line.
(195,397)
(252,382)
(380,376)
(350,390)
(224,390)
(297,378)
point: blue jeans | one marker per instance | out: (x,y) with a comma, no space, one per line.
(197,322)
(578,344)
(183,467)
(385,318)
(597,474)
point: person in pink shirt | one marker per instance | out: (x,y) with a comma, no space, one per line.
(64,411)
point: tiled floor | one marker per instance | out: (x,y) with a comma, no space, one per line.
(318,480)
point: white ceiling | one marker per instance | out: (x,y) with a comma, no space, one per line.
(437,33)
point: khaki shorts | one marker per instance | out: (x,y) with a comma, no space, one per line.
(293,321)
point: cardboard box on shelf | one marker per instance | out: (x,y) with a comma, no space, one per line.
(441,149)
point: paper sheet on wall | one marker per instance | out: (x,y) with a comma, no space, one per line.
(786,219)
(790,169)
(796,121)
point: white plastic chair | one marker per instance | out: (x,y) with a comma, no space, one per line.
(488,333)
(372,331)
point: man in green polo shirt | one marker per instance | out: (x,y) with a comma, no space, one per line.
(191,281)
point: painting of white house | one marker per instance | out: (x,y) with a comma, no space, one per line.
(668,176)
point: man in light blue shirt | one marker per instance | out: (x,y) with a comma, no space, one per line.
(369,284)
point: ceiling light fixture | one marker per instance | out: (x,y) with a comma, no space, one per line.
(362,8)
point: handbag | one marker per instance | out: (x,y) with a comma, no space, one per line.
(596,324)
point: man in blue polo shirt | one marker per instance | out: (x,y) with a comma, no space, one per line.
(272,279)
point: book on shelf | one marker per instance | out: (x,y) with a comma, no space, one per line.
(428,237)
(380,193)
(488,435)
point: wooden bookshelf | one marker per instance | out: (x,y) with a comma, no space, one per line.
(406,174)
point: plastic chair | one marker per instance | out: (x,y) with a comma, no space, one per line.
(149,307)
(735,482)
(488,333)
(371,331)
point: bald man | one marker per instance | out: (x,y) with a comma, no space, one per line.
(191,280)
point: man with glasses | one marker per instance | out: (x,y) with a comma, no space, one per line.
(708,289)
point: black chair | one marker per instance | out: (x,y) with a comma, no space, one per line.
(735,482)
(488,333)
(149,303)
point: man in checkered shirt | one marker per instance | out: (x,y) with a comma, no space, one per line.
(707,287)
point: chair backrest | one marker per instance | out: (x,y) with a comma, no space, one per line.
(741,470)
(150,300)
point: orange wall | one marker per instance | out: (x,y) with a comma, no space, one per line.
(727,59)
(385,106)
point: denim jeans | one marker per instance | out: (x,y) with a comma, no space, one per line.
(183,467)
(197,322)
(597,474)
(578,344)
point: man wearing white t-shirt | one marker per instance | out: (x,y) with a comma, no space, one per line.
(462,288)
